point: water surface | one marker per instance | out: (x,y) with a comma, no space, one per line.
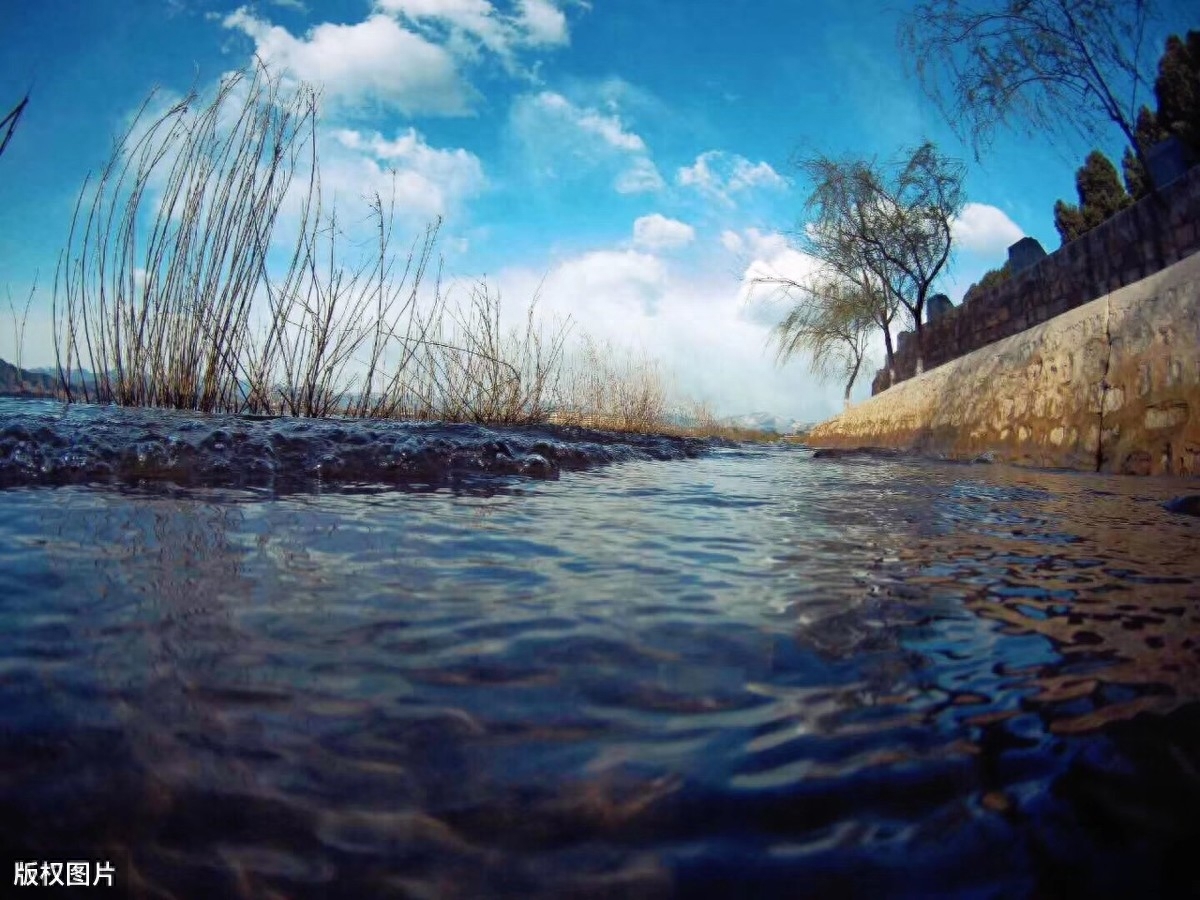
(659,669)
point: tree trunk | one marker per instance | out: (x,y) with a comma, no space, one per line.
(850,384)
(891,355)
(920,344)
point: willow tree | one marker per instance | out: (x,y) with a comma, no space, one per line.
(831,319)
(886,228)
(1050,64)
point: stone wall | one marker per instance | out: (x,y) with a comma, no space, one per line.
(1135,243)
(1112,385)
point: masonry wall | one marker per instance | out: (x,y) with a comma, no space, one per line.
(1112,385)
(1135,243)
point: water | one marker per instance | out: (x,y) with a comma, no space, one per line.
(634,669)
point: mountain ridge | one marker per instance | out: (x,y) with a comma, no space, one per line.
(15,382)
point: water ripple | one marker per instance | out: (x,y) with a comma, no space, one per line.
(752,673)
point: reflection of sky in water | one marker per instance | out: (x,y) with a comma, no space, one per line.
(654,678)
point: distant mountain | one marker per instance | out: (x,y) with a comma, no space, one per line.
(764,421)
(77,375)
(26,383)
(80,378)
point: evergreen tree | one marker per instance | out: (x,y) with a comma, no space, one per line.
(1177,90)
(993,277)
(1101,196)
(1148,133)
(1068,220)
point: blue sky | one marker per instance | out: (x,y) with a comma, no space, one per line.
(631,157)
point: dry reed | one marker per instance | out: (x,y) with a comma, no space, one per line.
(175,248)
(178,288)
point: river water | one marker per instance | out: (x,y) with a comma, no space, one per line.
(244,658)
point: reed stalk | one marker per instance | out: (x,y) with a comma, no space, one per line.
(203,271)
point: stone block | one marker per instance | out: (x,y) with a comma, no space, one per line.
(1137,463)
(1024,254)
(938,306)
(1164,416)
(1167,161)
(1144,381)
(1174,373)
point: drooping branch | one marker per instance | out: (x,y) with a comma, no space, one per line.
(886,229)
(1048,65)
(831,319)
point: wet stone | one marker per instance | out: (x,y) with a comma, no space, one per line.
(1188,505)
(83,444)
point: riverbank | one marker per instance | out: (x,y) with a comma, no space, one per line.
(1110,386)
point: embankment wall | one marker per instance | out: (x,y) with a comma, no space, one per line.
(1135,243)
(1112,385)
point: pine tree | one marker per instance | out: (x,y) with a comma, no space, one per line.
(1148,132)
(1068,220)
(1177,90)
(993,277)
(1101,196)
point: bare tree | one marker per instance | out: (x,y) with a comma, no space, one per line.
(832,320)
(886,229)
(1048,63)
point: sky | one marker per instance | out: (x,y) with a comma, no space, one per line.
(630,161)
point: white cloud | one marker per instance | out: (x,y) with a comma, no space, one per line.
(373,62)
(657,232)
(466,25)
(627,282)
(606,127)
(732,241)
(641,177)
(694,322)
(985,229)
(476,19)
(720,175)
(544,23)
(428,181)
(767,255)
(565,138)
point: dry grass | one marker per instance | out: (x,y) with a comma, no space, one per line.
(175,256)
(728,433)
(622,390)
(20,319)
(158,303)
(475,370)
(178,288)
